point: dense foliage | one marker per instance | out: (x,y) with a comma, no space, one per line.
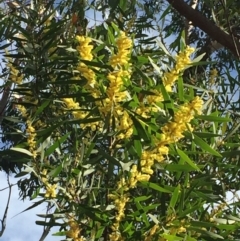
(123,135)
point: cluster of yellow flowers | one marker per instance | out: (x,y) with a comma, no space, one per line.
(212,76)
(50,188)
(22,110)
(150,234)
(170,133)
(15,76)
(122,57)
(182,61)
(173,130)
(120,203)
(79,114)
(115,91)
(85,49)
(30,131)
(31,138)
(74,231)
(150,102)
(217,210)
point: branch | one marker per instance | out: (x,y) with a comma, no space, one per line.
(46,229)
(4,220)
(188,24)
(198,20)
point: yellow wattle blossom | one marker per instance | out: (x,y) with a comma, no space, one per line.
(115,236)
(170,133)
(44,175)
(156,98)
(120,203)
(74,231)
(139,176)
(173,131)
(150,234)
(85,51)
(50,190)
(23,110)
(122,57)
(181,230)
(74,107)
(182,61)
(15,76)
(85,48)
(196,105)
(116,93)
(212,76)
(31,135)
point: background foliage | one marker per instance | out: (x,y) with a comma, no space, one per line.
(107,128)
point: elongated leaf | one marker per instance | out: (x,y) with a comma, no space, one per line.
(174,197)
(31,207)
(42,107)
(155,187)
(56,144)
(214,118)
(185,158)
(22,150)
(156,68)
(56,171)
(205,146)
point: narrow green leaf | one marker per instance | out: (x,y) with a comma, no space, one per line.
(56,145)
(56,171)
(174,198)
(161,45)
(185,158)
(206,134)
(141,198)
(213,118)
(138,147)
(31,207)
(205,146)
(50,224)
(170,237)
(197,59)
(157,69)
(42,107)
(22,150)
(180,89)
(155,187)
(180,168)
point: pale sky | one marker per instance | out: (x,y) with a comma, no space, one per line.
(22,227)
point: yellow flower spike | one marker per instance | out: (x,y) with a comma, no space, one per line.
(147,170)
(50,190)
(121,58)
(182,61)
(197,104)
